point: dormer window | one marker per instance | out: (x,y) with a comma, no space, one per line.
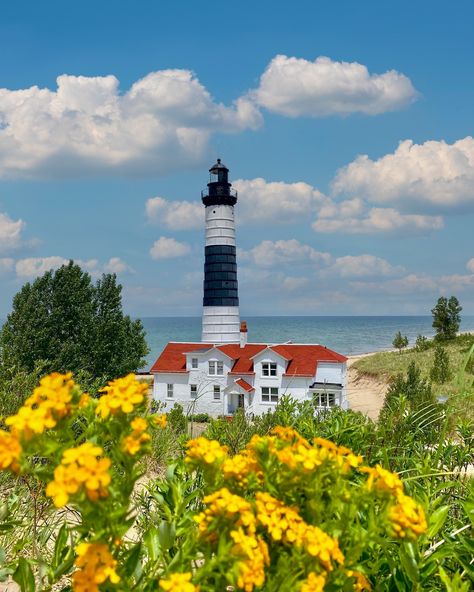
(269,369)
(216,368)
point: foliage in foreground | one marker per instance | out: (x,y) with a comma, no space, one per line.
(279,512)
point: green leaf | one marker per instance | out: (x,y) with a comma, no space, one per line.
(24,577)
(152,543)
(409,563)
(167,534)
(132,560)
(437,520)
(60,547)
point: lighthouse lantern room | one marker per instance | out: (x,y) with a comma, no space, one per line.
(220,317)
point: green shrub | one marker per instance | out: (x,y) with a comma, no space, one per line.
(441,369)
(422,343)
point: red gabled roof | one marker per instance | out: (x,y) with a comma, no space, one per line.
(245,385)
(302,359)
(173,359)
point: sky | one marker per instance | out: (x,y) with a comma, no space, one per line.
(347,128)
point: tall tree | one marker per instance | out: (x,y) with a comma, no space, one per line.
(65,322)
(446,318)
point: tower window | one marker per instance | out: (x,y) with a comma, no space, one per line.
(169,391)
(216,368)
(193,390)
(269,394)
(217,392)
(194,362)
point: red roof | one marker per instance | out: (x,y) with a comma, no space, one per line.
(302,359)
(245,385)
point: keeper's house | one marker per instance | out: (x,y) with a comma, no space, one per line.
(223,372)
(219,379)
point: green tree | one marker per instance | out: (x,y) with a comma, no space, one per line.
(446,318)
(400,341)
(441,370)
(413,387)
(422,343)
(65,322)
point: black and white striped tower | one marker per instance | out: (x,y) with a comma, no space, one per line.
(220,317)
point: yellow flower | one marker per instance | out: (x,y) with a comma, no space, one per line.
(161,420)
(178,582)
(50,402)
(133,443)
(10,451)
(223,503)
(202,450)
(361,582)
(80,468)
(121,395)
(382,479)
(286,525)
(407,517)
(96,565)
(240,466)
(254,552)
(314,583)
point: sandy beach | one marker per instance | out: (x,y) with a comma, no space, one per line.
(365,394)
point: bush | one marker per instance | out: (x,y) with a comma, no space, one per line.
(446,318)
(441,369)
(400,341)
(422,343)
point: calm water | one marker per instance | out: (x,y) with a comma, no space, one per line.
(347,335)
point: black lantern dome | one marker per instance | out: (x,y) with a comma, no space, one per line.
(219,190)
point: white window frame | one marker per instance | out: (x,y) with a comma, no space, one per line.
(217,391)
(272,394)
(193,391)
(194,363)
(170,391)
(326,399)
(216,368)
(269,369)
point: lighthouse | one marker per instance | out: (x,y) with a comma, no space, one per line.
(220,316)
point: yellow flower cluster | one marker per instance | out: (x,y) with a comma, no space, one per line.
(133,443)
(361,582)
(121,395)
(223,503)
(313,583)
(160,420)
(286,525)
(202,450)
(96,565)
(80,467)
(10,451)
(50,402)
(239,466)
(178,582)
(380,478)
(407,517)
(342,456)
(255,553)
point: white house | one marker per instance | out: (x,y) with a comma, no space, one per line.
(223,372)
(218,379)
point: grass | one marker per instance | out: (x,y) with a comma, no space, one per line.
(386,365)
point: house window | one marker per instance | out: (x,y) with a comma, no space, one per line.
(194,390)
(194,362)
(324,400)
(216,368)
(269,369)
(269,394)
(217,392)
(169,391)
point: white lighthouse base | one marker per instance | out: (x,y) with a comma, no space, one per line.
(220,324)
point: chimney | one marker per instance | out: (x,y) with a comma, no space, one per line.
(243,334)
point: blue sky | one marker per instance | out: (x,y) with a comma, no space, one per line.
(346,126)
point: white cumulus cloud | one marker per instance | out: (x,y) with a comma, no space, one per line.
(354,216)
(362,266)
(175,215)
(297,87)
(434,173)
(168,248)
(470,265)
(35,266)
(117,265)
(86,124)
(283,252)
(10,232)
